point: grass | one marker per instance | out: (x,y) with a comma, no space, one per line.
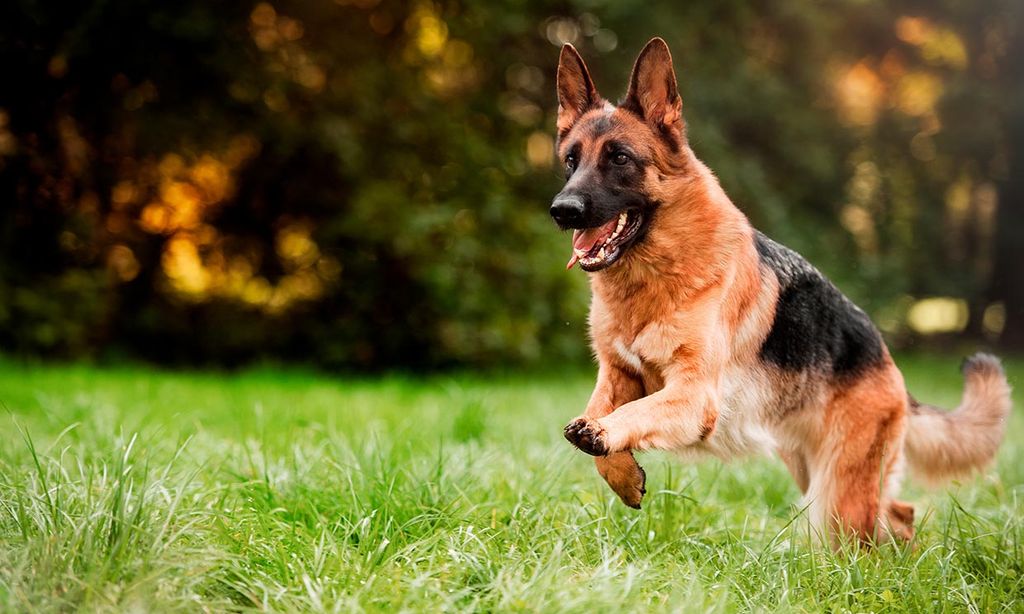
(130,489)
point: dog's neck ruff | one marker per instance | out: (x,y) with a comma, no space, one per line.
(687,246)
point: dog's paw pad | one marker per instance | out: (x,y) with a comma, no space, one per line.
(586,436)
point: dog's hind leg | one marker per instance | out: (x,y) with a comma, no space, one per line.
(899,521)
(860,460)
(620,470)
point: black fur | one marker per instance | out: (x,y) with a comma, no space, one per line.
(604,188)
(816,326)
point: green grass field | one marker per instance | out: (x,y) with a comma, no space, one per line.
(130,489)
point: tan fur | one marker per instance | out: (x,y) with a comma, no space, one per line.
(942,445)
(858,449)
(623,474)
(677,324)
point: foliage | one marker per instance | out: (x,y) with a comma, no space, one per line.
(364,183)
(288,492)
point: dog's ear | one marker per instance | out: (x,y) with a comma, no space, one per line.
(653,94)
(576,92)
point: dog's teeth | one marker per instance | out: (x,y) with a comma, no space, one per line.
(580,252)
(600,254)
(619,226)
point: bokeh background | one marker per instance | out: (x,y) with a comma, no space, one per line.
(363,184)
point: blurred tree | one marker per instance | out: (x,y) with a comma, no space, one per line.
(1008,275)
(364,184)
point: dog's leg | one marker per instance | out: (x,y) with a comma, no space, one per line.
(866,421)
(674,417)
(624,475)
(900,520)
(897,516)
(797,465)
(620,470)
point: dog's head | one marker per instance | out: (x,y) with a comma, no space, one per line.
(615,157)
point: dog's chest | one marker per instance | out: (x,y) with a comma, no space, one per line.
(633,358)
(653,347)
(629,356)
(743,395)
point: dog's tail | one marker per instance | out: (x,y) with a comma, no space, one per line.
(945,444)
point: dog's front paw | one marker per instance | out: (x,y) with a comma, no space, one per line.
(625,476)
(587,435)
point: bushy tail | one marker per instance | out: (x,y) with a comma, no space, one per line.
(945,444)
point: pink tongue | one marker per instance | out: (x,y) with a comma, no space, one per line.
(585,239)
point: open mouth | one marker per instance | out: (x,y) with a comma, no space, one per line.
(598,247)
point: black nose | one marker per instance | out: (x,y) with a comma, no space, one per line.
(567,211)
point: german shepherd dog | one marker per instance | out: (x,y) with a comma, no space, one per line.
(712,338)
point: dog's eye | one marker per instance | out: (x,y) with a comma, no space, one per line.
(570,162)
(620,159)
